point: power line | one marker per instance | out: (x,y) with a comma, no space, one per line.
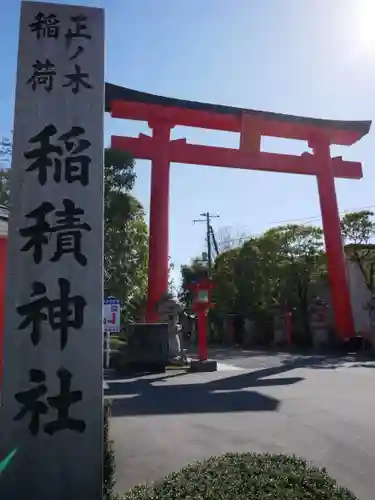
(307,219)
(275,224)
(207,219)
(302,219)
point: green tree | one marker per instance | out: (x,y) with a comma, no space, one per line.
(5,149)
(171,283)
(189,274)
(279,267)
(224,277)
(125,235)
(358,229)
(284,267)
(300,266)
(257,276)
(5,157)
(4,187)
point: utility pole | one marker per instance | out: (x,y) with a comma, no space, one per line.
(207,219)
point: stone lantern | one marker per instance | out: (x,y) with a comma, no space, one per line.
(319,323)
(168,309)
(280,335)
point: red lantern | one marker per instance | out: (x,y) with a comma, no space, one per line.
(202,292)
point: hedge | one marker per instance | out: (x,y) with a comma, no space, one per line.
(246,476)
(116,344)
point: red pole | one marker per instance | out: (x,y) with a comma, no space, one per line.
(337,271)
(3,250)
(159,218)
(202,335)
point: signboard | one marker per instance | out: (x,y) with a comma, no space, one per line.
(111,315)
(52,391)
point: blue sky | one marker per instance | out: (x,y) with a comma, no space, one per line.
(310,58)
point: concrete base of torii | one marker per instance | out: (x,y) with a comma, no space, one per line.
(197,366)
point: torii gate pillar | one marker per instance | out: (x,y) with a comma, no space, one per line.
(158,257)
(337,269)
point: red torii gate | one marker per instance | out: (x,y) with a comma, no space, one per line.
(162,114)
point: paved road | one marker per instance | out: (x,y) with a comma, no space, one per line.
(320,409)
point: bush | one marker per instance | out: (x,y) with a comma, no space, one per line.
(116,337)
(115,343)
(246,476)
(119,361)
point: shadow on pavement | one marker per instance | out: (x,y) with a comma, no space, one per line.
(329,362)
(326,360)
(190,399)
(140,397)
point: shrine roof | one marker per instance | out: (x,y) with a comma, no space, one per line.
(339,131)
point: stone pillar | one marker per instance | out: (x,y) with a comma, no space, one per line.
(229,336)
(3,251)
(319,323)
(371,310)
(52,388)
(249,333)
(280,336)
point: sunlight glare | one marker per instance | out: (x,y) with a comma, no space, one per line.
(364,18)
